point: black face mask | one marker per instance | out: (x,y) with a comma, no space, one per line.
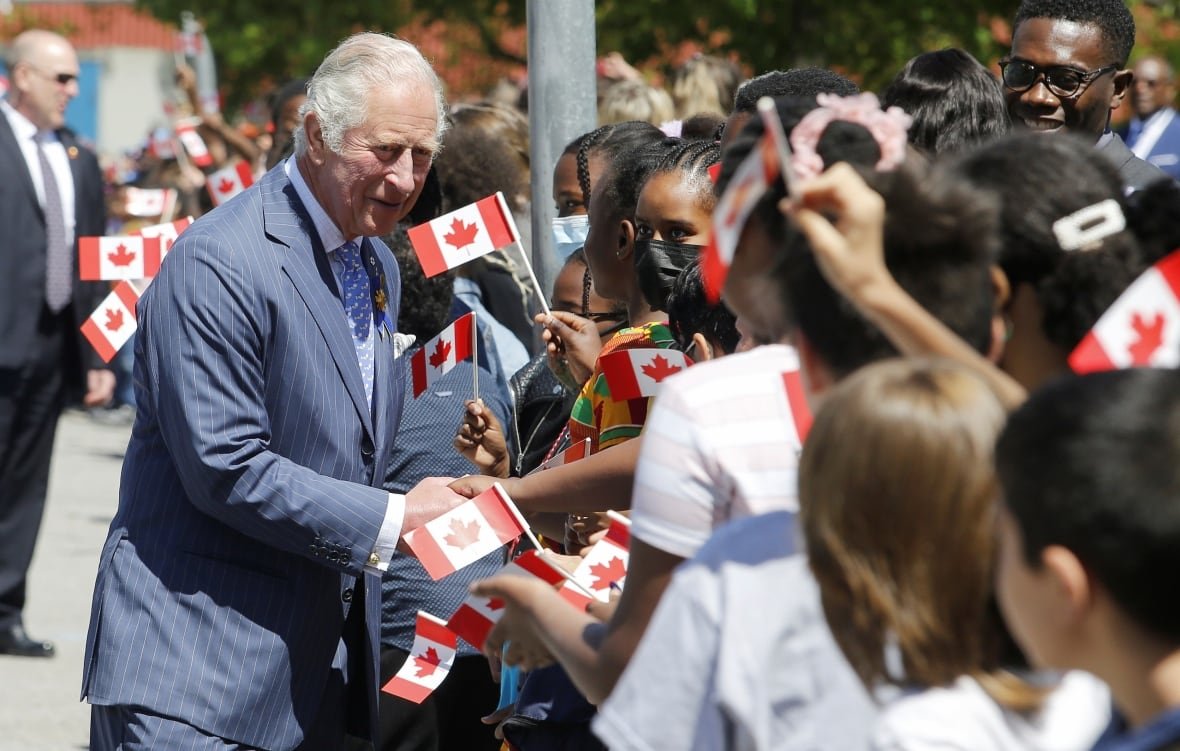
(657,264)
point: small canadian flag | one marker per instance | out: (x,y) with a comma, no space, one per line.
(440,355)
(118,257)
(194,145)
(754,175)
(429,662)
(167,233)
(149,202)
(464,234)
(1141,328)
(109,327)
(227,182)
(477,615)
(604,565)
(466,533)
(572,454)
(636,373)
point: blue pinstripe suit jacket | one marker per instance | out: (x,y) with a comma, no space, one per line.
(251,491)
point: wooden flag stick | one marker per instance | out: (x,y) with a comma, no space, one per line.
(528,265)
(519,516)
(774,130)
(615,516)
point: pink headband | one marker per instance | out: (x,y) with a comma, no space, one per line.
(887,127)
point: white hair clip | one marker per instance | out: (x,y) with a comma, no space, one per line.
(1089,226)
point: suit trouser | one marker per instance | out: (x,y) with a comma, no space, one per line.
(31,398)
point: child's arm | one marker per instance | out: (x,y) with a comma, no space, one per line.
(849,249)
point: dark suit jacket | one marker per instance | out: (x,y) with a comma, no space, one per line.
(251,494)
(1165,154)
(1136,173)
(22,250)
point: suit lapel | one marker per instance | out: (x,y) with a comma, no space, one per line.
(71,148)
(306,265)
(11,152)
(386,389)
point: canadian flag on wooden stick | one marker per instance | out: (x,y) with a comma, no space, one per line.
(194,145)
(604,565)
(109,327)
(167,233)
(429,662)
(474,619)
(227,182)
(150,202)
(636,373)
(748,184)
(466,533)
(441,354)
(1141,328)
(464,234)
(578,451)
(118,257)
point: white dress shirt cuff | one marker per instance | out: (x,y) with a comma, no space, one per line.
(391,530)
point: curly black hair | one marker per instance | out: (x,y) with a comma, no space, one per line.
(798,82)
(1112,17)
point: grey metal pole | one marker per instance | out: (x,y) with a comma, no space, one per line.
(562,106)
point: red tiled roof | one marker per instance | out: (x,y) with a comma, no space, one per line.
(96,25)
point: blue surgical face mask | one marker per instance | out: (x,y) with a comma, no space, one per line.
(569,234)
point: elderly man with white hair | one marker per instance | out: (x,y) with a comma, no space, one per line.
(237,601)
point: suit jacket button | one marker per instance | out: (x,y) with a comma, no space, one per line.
(346,595)
(367,447)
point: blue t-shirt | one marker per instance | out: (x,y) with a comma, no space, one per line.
(1161,734)
(423,448)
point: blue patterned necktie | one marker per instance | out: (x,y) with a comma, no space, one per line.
(58,271)
(358,304)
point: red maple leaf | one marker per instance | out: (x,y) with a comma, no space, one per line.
(659,368)
(1151,338)
(461,234)
(121,257)
(495,603)
(226,185)
(427,663)
(606,574)
(442,351)
(114,319)
(462,534)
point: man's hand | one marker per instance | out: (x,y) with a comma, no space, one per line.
(100,387)
(429,499)
(481,440)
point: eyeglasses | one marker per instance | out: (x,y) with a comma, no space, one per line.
(1062,80)
(62,78)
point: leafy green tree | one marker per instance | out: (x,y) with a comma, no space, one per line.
(259,42)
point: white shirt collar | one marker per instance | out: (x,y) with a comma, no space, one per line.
(22,127)
(330,235)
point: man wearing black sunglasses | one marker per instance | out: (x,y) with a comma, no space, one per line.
(51,195)
(1067,72)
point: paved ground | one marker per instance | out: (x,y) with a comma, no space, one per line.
(39,707)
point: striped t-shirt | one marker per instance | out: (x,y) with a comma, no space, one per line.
(720,443)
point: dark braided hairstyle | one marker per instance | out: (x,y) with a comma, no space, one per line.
(659,263)
(610,141)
